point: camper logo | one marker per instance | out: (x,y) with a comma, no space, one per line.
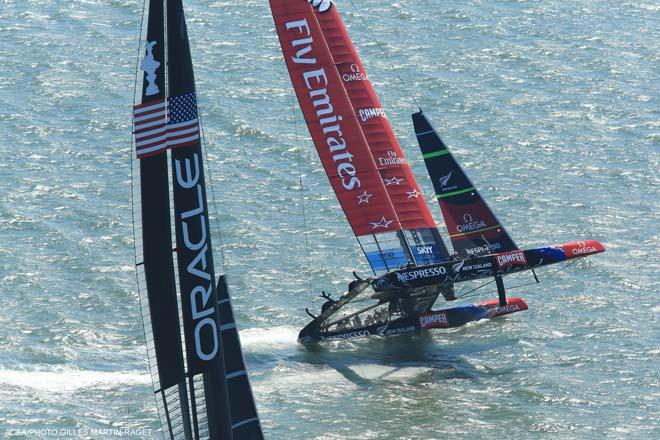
(515,258)
(323,5)
(371,112)
(434,319)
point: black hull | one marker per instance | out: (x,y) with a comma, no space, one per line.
(446,318)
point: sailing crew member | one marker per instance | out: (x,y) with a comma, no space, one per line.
(393,307)
(329,303)
(448,293)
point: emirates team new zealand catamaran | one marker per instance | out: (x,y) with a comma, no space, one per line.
(381,199)
(202,391)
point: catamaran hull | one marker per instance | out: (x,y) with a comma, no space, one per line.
(445,318)
(398,283)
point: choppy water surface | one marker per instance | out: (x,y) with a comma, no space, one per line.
(553,108)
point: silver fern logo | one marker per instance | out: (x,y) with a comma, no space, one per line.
(323,5)
(444,180)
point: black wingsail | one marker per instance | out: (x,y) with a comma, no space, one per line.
(154,261)
(205,394)
(473,228)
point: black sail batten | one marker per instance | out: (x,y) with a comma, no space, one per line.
(156,271)
(473,228)
(204,351)
(244,417)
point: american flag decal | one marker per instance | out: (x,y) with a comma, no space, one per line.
(149,126)
(156,130)
(182,127)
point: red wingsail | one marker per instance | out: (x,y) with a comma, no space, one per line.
(331,120)
(394,168)
(420,231)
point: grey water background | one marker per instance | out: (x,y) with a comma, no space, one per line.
(551,106)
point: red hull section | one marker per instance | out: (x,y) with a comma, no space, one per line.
(494,309)
(579,249)
(459,315)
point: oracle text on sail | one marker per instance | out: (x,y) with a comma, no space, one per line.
(204,328)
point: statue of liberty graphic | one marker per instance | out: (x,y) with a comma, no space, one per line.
(149,65)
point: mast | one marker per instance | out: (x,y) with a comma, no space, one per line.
(419,228)
(473,228)
(338,137)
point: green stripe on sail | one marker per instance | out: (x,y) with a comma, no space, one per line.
(435,154)
(455,193)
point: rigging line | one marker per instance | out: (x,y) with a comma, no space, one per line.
(387,58)
(302,191)
(463,295)
(560,269)
(494,291)
(551,275)
(131,150)
(204,143)
(218,229)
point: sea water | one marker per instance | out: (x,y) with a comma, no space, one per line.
(552,107)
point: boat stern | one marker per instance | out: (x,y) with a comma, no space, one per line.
(579,249)
(495,309)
